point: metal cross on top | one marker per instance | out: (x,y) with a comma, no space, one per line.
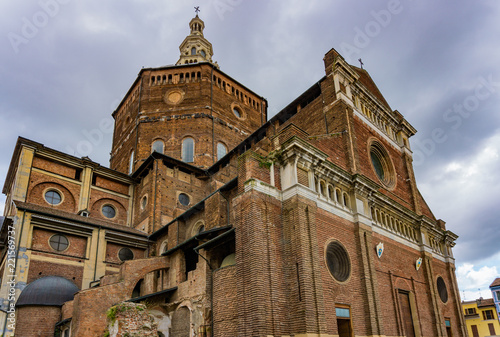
(197,10)
(361,62)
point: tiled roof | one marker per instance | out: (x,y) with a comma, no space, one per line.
(485,302)
(496,282)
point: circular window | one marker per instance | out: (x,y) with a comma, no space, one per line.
(53,197)
(184,199)
(337,261)
(144,202)
(125,254)
(59,242)
(108,211)
(381,163)
(443,292)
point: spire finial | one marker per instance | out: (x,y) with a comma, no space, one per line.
(197,10)
(361,63)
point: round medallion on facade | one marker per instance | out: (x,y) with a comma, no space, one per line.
(174,96)
(337,261)
(382,164)
(442,291)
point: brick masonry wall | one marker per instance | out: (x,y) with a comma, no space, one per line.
(77,244)
(54,167)
(401,192)
(112,250)
(37,321)
(90,305)
(98,199)
(39,269)
(351,292)
(40,183)
(191,116)
(259,262)
(111,185)
(225,302)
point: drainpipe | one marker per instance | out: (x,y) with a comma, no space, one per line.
(97,252)
(212,112)
(154,201)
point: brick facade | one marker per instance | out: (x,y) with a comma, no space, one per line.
(240,245)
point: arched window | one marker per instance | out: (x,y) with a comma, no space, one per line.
(322,188)
(188,150)
(131,163)
(221,150)
(157,146)
(193,51)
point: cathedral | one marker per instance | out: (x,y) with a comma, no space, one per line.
(215,220)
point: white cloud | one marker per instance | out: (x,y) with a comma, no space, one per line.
(474,282)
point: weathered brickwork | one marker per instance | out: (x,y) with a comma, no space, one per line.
(225,302)
(77,245)
(112,250)
(37,321)
(41,183)
(72,272)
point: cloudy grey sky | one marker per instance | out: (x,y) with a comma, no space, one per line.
(65,65)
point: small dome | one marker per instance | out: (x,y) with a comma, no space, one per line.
(48,290)
(229,260)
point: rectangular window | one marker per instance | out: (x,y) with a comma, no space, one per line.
(344,325)
(470,311)
(498,295)
(342,312)
(406,313)
(488,314)
(475,333)
(492,329)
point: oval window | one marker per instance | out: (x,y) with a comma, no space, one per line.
(125,254)
(108,211)
(184,199)
(443,292)
(53,197)
(237,112)
(382,164)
